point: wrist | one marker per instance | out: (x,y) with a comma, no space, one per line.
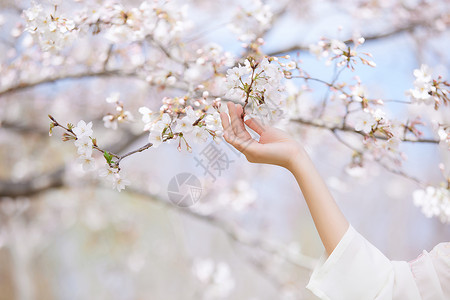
(297,157)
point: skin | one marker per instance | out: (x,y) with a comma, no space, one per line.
(277,147)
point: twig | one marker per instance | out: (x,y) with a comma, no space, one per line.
(143,148)
(377,160)
(114,164)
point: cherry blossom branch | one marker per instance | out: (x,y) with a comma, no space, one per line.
(346,128)
(89,74)
(71,135)
(325,98)
(53,179)
(394,171)
(115,164)
(379,36)
(166,52)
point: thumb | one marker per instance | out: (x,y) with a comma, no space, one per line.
(257,126)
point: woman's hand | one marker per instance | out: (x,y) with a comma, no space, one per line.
(274,147)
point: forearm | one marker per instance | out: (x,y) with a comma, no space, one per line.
(328,218)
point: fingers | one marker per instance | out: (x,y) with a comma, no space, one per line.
(236,121)
(225,121)
(255,125)
(228,133)
(232,135)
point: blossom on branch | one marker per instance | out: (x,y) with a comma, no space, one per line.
(434,201)
(52,32)
(258,85)
(84,146)
(343,54)
(119,183)
(82,129)
(364,122)
(87,162)
(251,21)
(428,90)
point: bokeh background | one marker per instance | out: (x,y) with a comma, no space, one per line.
(66,235)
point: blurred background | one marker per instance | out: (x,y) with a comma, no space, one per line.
(65,234)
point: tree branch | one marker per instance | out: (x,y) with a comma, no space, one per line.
(54,179)
(334,127)
(386,167)
(350,41)
(88,74)
(33,185)
(301,261)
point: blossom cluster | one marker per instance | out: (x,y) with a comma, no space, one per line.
(427,90)
(343,54)
(434,201)
(216,278)
(85,145)
(112,120)
(175,120)
(52,32)
(259,85)
(381,134)
(251,21)
(207,61)
(161,22)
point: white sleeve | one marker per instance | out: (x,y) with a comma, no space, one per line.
(431,272)
(355,270)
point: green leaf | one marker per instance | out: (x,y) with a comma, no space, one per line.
(108,157)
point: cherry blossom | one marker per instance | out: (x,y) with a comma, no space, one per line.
(110,122)
(199,135)
(341,53)
(213,121)
(53,32)
(146,114)
(250,21)
(84,146)
(258,84)
(428,90)
(444,135)
(82,129)
(108,173)
(87,162)
(149,43)
(119,183)
(434,201)
(216,278)
(364,122)
(174,64)
(185,124)
(113,97)
(155,138)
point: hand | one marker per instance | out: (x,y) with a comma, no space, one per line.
(274,147)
